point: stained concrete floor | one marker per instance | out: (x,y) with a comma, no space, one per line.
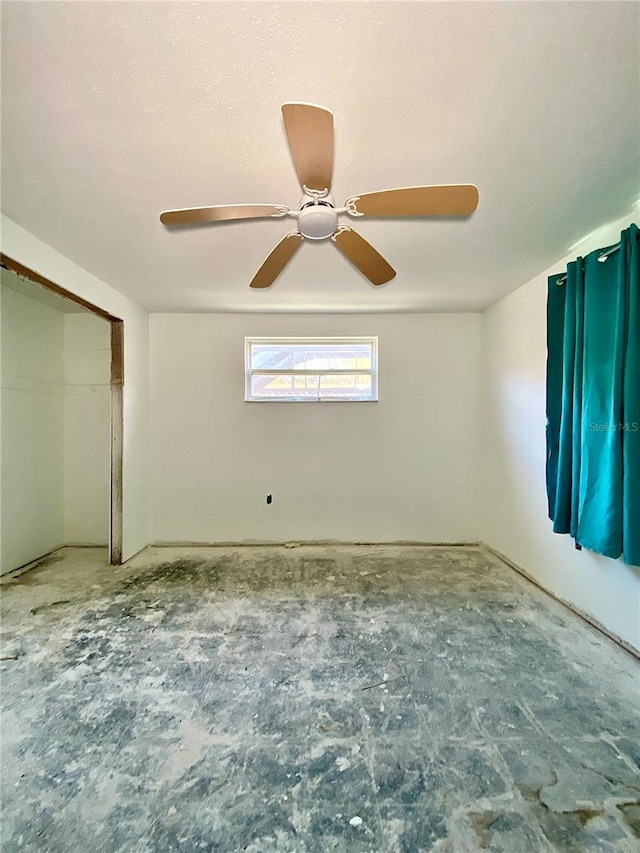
(312,699)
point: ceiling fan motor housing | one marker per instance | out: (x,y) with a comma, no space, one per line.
(317,218)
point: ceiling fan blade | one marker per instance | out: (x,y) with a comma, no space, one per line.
(277,260)
(222,212)
(310,134)
(363,255)
(448,200)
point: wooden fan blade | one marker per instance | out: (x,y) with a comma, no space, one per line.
(277,260)
(310,134)
(363,255)
(222,212)
(451,200)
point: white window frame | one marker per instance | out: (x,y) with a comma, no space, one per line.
(249,372)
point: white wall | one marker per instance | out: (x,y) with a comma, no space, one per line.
(32,430)
(514,450)
(33,253)
(401,468)
(87,437)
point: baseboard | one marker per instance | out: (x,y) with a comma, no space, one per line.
(623,644)
(299,543)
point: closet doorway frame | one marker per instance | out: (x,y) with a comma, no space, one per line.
(117,387)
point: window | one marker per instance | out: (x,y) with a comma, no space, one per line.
(311,369)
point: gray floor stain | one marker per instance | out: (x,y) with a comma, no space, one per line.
(274,700)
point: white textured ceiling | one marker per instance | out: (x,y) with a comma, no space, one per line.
(113,112)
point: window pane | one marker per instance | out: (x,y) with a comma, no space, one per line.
(301,356)
(333,356)
(283,386)
(271,357)
(311,386)
(345,386)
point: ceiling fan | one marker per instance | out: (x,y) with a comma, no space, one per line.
(309,130)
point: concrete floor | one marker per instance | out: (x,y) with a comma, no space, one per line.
(310,699)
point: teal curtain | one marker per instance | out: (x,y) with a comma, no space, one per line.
(593,401)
